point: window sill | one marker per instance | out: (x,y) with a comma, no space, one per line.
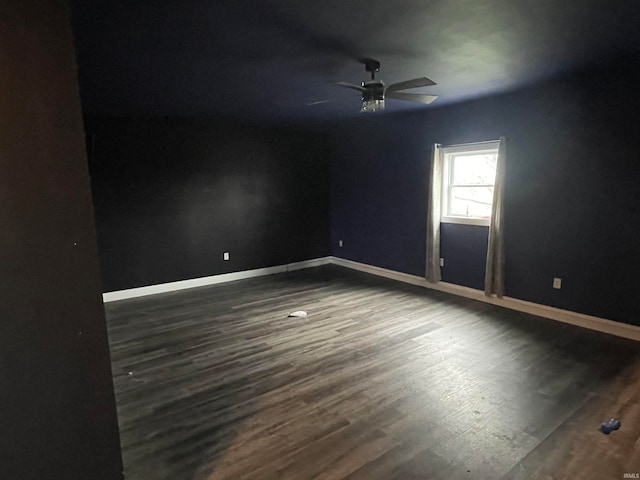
(482,222)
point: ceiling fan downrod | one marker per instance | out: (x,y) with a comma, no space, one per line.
(372,66)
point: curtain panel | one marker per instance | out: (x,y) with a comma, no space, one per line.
(434,212)
(494,273)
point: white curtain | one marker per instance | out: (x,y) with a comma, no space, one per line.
(494,273)
(433,215)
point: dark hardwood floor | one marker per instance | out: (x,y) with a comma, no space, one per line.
(381,381)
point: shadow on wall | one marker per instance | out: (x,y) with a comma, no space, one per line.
(170,196)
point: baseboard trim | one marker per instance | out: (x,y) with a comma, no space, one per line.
(566,316)
(211,280)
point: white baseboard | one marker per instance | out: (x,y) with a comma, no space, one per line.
(211,280)
(579,319)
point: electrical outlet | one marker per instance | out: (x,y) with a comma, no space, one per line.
(557,283)
(225,256)
(442,262)
(339,243)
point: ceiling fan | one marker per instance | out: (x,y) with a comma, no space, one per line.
(374,91)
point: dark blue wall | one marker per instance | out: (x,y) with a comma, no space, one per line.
(379,183)
(464,250)
(171,196)
(572,190)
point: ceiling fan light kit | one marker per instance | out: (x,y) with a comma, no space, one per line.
(372,96)
(374,91)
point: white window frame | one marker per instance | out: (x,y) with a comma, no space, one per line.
(447,152)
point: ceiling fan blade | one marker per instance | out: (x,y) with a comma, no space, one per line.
(319,102)
(415,83)
(412,97)
(351,85)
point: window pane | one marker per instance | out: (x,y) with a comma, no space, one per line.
(469,169)
(471,202)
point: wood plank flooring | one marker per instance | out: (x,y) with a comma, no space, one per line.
(381,381)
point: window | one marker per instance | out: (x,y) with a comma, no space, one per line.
(468,177)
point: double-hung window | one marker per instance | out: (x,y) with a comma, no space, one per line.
(468,177)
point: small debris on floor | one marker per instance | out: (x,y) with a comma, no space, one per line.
(610,426)
(298,313)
